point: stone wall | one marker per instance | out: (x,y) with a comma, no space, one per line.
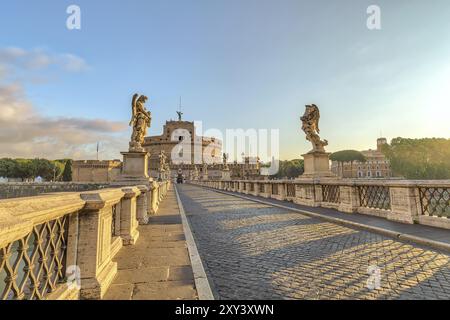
(96,171)
(28,189)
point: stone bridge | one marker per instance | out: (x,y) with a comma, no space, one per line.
(308,239)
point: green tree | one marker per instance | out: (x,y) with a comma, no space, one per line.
(23,169)
(29,169)
(427,158)
(67,173)
(44,168)
(346,156)
(289,169)
(59,169)
(7,167)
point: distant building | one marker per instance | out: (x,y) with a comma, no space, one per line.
(376,166)
(95,170)
(173,133)
(250,169)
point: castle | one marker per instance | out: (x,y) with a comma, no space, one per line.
(174,133)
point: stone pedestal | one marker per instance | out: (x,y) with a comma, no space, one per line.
(317,164)
(135,169)
(226,174)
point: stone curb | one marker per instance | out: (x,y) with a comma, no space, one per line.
(392,234)
(201,280)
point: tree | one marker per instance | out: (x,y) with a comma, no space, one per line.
(67,173)
(23,169)
(44,169)
(7,167)
(58,169)
(289,169)
(346,156)
(426,158)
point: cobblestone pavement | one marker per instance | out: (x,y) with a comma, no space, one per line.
(255,251)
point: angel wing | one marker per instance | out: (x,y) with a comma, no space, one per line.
(133,108)
(316,117)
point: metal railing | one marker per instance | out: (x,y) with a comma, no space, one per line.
(290,190)
(330,193)
(262,188)
(275,188)
(422,201)
(435,201)
(377,197)
(33,266)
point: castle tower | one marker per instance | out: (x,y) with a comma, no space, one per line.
(380,143)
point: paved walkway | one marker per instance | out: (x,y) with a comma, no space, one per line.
(158,266)
(252,250)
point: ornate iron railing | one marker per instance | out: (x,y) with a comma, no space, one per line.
(435,201)
(376,197)
(275,188)
(330,193)
(290,190)
(32,267)
(262,188)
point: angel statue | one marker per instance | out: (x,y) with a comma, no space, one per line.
(225,159)
(162,161)
(140,121)
(179,113)
(310,125)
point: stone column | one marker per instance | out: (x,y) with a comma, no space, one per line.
(128,220)
(281,192)
(142,205)
(403,204)
(267,190)
(94,242)
(256,190)
(154,198)
(318,194)
(305,192)
(349,200)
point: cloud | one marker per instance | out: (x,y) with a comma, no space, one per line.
(73,63)
(24,132)
(38,58)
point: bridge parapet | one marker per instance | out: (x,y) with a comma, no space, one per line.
(409,201)
(61,245)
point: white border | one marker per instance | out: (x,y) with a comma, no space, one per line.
(201,280)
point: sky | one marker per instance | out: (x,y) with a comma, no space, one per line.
(236,64)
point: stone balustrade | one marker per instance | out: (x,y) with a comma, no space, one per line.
(408,201)
(28,189)
(61,245)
